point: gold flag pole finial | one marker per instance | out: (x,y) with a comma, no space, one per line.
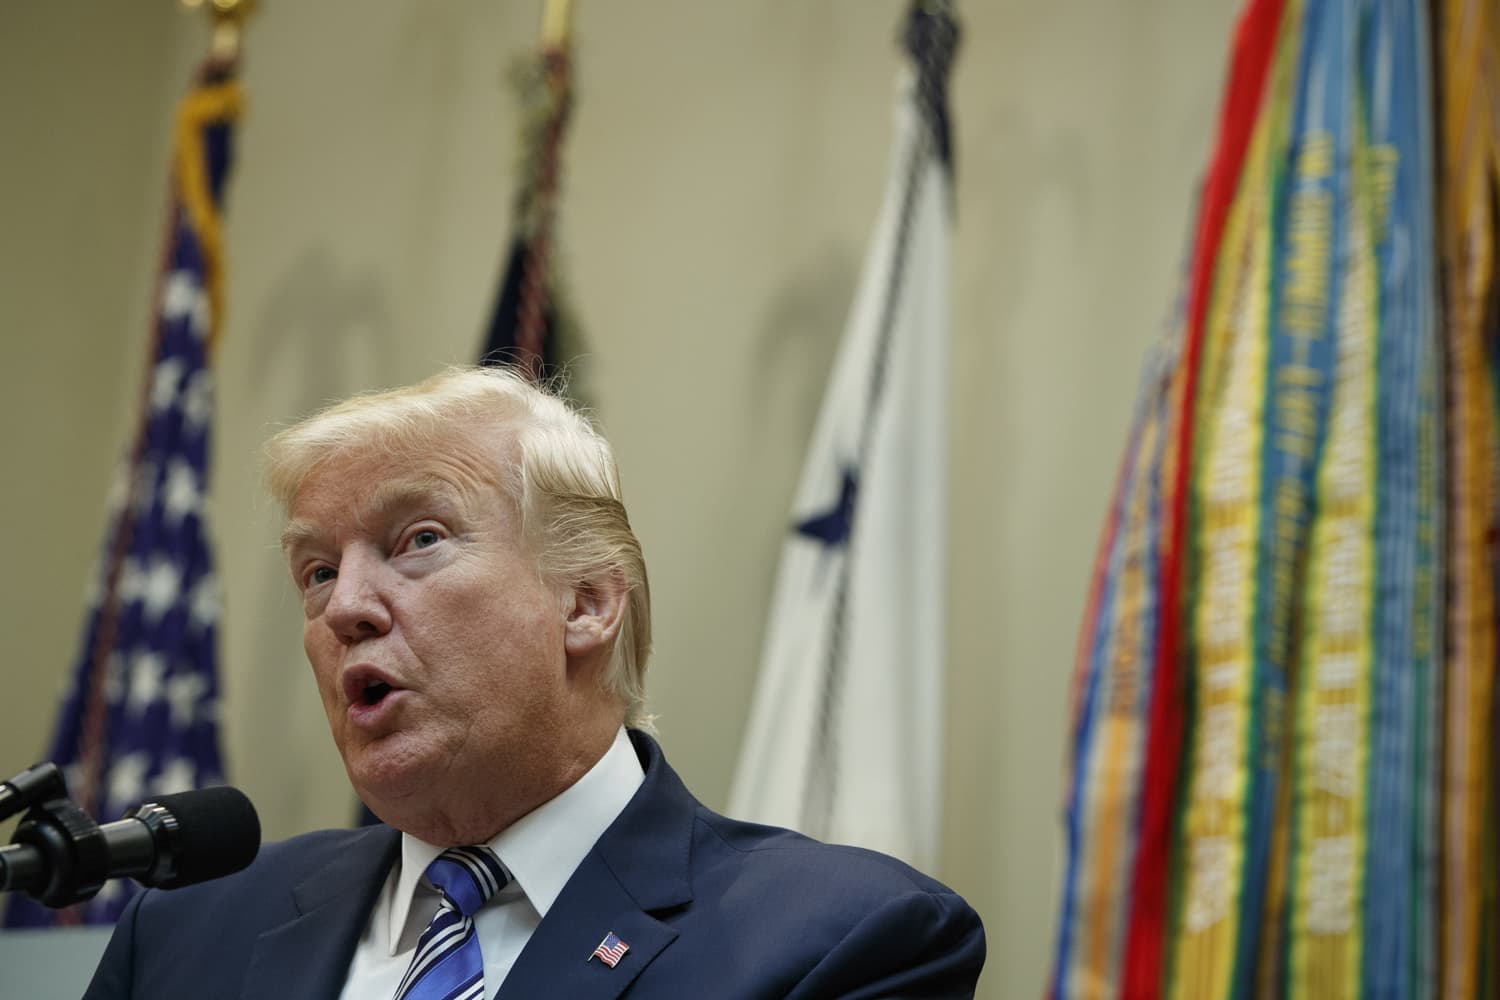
(229,24)
(557,24)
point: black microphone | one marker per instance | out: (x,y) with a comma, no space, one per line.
(172,841)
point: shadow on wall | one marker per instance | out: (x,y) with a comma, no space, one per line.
(338,331)
(790,363)
(798,339)
(338,324)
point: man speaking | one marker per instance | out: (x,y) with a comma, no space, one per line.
(478,621)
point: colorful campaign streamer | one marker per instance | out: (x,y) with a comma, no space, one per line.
(1467,157)
(1399,922)
(1114,670)
(1147,903)
(1284,770)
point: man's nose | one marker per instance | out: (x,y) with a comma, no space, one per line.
(357,607)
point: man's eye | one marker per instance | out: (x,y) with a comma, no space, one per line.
(322,574)
(424,538)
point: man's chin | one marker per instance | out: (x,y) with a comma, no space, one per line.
(387,777)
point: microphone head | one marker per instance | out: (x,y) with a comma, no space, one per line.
(217,833)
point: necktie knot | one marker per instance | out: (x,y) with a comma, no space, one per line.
(447,964)
(467,877)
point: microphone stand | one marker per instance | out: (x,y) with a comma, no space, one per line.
(73,851)
(38,783)
(72,846)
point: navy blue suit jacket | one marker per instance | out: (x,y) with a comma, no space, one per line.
(710,907)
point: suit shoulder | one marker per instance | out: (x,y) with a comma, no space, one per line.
(299,856)
(280,864)
(310,850)
(865,872)
(829,919)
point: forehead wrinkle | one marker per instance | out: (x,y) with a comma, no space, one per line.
(399,494)
(387,498)
(460,468)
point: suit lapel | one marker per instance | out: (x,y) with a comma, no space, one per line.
(556,961)
(333,905)
(640,866)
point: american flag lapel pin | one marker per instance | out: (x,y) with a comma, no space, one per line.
(610,950)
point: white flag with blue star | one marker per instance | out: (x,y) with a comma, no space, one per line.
(845,736)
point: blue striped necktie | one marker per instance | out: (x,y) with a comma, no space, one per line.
(447,964)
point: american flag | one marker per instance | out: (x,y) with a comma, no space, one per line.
(140,717)
(610,950)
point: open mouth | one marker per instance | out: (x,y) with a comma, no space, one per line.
(367,686)
(374,692)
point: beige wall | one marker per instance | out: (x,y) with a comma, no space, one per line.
(722,178)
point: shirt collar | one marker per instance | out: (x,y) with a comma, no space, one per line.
(543,848)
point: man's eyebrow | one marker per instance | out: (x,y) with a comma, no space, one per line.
(382,500)
(403,494)
(297,533)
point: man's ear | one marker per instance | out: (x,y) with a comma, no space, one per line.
(595,612)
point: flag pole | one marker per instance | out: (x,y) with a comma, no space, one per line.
(557,24)
(229,18)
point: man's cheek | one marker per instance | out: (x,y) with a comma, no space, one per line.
(324,671)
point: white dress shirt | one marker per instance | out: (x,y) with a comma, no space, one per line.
(541,850)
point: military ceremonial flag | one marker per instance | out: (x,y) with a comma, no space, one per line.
(529,327)
(1303,588)
(844,740)
(141,715)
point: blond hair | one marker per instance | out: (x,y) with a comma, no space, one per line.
(563,480)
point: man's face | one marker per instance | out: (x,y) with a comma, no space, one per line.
(437,648)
